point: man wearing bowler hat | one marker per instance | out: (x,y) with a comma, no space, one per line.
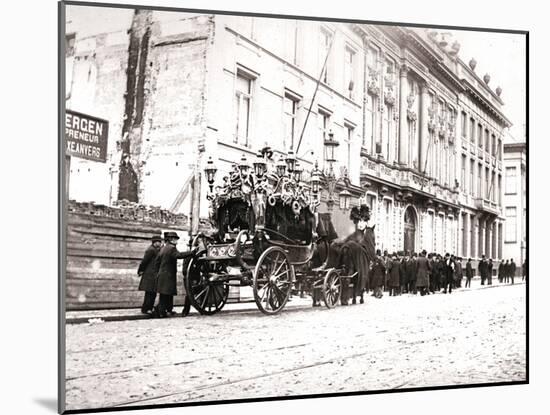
(167,262)
(148,274)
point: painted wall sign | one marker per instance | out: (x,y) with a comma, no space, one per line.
(86,136)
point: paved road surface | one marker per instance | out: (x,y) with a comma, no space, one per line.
(397,342)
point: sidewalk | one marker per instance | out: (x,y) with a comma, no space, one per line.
(92,316)
(98,316)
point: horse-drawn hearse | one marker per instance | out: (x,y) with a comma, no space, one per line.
(268,236)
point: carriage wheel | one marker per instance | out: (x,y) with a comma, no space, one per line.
(332,288)
(272,280)
(206,296)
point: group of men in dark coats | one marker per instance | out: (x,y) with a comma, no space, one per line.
(428,273)
(158,275)
(485,269)
(422,274)
(507,271)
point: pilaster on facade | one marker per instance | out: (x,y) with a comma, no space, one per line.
(403,127)
(483,226)
(459,235)
(489,240)
(466,243)
(424,134)
(475,241)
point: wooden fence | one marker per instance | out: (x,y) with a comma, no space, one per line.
(102,259)
(104,246)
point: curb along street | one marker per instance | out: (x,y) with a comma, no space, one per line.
(107,315)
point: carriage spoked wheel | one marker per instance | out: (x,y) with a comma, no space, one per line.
(332,288)
(206,294)
(272,280)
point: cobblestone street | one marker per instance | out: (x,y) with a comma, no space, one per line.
(470,336)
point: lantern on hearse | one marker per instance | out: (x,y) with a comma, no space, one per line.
(210,172)
(290,162)
(315,180)
(260,165)
(298,170)
(281,167)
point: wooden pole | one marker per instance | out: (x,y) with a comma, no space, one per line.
(315,94)
(196,192)
(196,200)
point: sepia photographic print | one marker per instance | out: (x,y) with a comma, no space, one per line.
(262,207)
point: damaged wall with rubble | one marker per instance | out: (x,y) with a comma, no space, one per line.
(145,72)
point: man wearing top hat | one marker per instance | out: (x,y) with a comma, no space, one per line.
(167,264)
(512,269)
(393,272)
(411,267)
(469,273)
(449,273)
(482,268)
(501,271)
(148,274)
(403,275)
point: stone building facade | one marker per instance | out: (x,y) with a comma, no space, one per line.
(420,132)
(515,202)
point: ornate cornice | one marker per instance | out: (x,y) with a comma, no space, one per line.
(482,100)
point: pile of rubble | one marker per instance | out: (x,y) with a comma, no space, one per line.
(126,210)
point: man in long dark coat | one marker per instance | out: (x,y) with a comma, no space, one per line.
(524,270)
(501,271)
(167,263)
(506,272)
(387,261)
(423,269)
(148,273)
(512,269)
(403,277)
(393,273)
(482,268)
(434,277)
(411,273)
(449,273)
(378,272)
(431,260)
(469,273)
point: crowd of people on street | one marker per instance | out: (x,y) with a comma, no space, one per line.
(425,274)
(397,274)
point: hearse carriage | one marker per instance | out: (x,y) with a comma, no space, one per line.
(268,236)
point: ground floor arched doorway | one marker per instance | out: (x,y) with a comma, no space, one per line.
(409,236)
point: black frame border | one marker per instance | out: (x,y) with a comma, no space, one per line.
(62,204)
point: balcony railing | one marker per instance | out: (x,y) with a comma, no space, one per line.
(486,205)
(408,178)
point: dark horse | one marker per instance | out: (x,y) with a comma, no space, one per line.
(353,255)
